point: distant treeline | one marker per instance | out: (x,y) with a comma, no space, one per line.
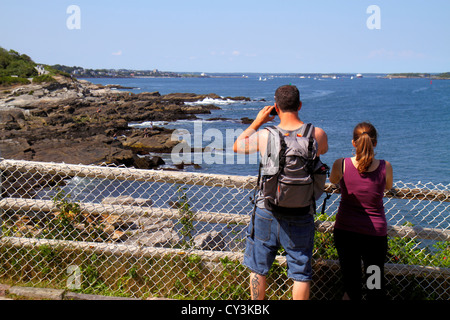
(81,72)
(445,75)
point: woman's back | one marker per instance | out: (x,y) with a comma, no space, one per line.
(361,208)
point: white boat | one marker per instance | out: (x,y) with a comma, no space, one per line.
(359,75)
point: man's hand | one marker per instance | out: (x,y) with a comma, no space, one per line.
(248,141)
(263,116)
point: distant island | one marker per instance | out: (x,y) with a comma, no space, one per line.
(80,72)
(445,75)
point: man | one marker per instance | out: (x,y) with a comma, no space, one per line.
(271,229)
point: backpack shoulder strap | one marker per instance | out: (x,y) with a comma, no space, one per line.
(283,147)
(308,130)
(274,130)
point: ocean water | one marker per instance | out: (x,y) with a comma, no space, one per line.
(412,117)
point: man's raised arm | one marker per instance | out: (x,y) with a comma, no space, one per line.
(249,140)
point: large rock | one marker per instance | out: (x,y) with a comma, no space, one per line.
(212,240)
(127,200)
(160,143)
(93,150)
(155,233)
(147,162)
(10,118)
(18,148)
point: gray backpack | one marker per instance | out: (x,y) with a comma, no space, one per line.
(292,177)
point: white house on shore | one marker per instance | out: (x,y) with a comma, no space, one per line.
(40,69)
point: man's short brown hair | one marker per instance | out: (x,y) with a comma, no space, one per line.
(287,98)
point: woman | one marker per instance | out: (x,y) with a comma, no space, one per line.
(360,231)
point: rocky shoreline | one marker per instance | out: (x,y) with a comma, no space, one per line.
(77,122)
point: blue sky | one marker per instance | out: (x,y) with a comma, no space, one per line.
(233,36)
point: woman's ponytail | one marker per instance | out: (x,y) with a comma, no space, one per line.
(365,139)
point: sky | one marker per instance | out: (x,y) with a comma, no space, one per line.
(283,36)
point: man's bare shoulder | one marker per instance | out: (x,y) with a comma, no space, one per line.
(319,131)
(322,139)
(263,133)
(263,136)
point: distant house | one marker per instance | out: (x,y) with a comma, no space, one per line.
(40,69)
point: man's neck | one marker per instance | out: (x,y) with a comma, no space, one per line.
(290,121)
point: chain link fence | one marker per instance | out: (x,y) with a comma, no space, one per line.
(150,233)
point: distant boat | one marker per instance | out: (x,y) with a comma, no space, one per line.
(359,75)
(351,77)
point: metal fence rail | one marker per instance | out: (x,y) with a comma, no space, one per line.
(141,233)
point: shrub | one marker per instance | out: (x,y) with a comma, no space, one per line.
(7,80)
(43,78)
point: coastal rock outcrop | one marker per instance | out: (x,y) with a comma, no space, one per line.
(75,121)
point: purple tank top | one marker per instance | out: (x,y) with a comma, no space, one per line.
(361,208)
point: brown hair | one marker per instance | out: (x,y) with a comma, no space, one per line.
(365,139)
(287,98)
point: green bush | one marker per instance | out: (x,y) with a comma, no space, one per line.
(43,78)
(7,80)
(13,63)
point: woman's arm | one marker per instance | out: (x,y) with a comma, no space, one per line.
(336,171)
(389,176)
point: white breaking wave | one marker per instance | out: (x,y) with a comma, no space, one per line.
(207,101)
(148,124)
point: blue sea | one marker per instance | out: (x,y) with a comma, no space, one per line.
(412,117)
